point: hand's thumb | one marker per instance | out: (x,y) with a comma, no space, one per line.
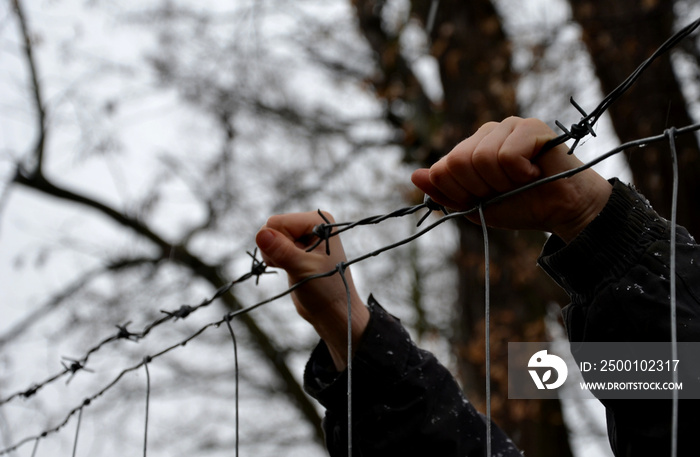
(277,250)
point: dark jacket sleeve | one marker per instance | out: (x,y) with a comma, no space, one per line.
(404,402)
(617,274)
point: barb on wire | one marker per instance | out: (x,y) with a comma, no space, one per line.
(125,334)
(73,368)
(181,313)
(258,267)
(432,205)
(323,232)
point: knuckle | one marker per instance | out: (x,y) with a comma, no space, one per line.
(274,221)
(488,126)
(482,157)
(456,161)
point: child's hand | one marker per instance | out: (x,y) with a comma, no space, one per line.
(500,157)
(283,242)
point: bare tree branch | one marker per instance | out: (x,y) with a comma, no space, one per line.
(34,178)
(35,86)
(200,268)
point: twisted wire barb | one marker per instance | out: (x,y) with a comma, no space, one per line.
(324,231)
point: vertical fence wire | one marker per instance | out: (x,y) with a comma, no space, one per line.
(36,446)
(146,360)
(487,325)
(236,394)
(341,270)
(77,432)
(674,333)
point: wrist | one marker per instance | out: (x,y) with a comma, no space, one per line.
(332,327)
(587,198)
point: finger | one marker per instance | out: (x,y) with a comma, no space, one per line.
(297,225)
(485,158)
(521,147)
(455,175)
(421,179)
(274,247)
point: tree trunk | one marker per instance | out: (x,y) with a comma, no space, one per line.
(474,61)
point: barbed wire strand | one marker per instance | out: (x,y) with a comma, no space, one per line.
(674,332)
(236,395)
(146,361)
(423,231)
(257,269)
(323,231)
(487,325)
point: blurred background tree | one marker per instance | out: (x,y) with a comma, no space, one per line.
(144,143)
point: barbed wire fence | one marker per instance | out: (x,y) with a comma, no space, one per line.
(323,232)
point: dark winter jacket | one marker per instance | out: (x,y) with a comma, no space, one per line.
(405,403)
